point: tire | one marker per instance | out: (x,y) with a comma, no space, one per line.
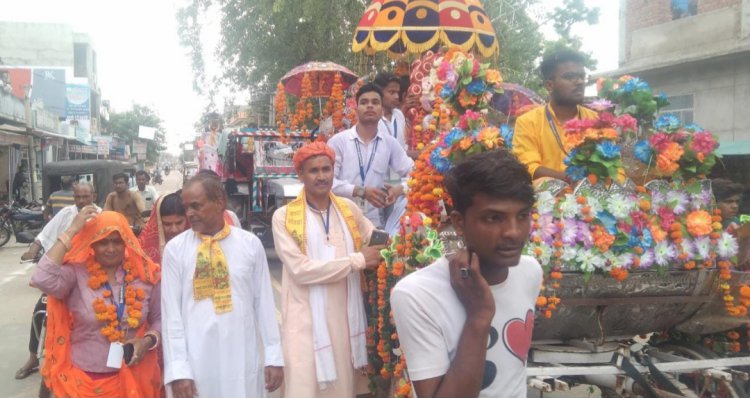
(735,389)
(5,234)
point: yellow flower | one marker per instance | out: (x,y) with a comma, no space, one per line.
(465,143)
(493,76)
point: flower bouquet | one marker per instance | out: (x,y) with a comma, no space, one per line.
(463,82)
(682,152)
(592,146)
(632,96)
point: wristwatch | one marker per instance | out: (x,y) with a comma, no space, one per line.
(359,191)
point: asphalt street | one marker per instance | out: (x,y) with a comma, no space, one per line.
(19,298)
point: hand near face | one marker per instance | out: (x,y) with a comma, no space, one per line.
(470,286)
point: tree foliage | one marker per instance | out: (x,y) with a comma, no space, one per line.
(263,39)
(125,125)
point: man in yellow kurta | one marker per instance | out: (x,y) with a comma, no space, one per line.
(539,137)
(319,239)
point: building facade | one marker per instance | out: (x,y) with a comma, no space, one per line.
(698,53)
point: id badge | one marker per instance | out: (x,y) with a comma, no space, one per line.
(114,358)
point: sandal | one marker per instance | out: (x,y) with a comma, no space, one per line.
(25,372)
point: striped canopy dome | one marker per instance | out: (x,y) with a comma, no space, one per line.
(415,26)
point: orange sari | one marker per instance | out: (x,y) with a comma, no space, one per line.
(60,375)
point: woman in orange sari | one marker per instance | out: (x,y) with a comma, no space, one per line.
(103,297)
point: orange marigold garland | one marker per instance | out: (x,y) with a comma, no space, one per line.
(107,313)
(280,106)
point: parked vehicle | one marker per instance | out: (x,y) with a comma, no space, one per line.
(23,223)
(97,172)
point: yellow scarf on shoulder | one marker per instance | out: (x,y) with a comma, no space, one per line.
(295,220)
(211,279)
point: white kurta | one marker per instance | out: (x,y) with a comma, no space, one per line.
(219,352)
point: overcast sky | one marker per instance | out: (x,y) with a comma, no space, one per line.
(141,61)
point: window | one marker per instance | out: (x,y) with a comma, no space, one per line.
(80,64)
(684,8)
(682,106)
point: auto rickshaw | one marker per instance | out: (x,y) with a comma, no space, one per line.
(97,172)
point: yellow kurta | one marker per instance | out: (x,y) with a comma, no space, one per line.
(534,142)
(299,272)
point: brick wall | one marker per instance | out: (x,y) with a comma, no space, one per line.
(644,13)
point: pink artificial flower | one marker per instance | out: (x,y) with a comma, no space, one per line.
(475,68)
(703,142)
(443,70)
(580,124)
(659,141)
(667,217)
(626,122)
(680,136)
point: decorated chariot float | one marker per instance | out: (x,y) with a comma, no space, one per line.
(633,249)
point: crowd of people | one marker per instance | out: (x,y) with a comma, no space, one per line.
(187,308)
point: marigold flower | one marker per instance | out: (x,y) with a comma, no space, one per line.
(699,223)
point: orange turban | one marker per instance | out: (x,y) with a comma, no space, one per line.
(311,150)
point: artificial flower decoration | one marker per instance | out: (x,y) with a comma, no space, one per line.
(685,152)
(592,146)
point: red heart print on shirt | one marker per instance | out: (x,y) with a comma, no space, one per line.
(517,335)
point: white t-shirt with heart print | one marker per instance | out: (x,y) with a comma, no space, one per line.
(430,318)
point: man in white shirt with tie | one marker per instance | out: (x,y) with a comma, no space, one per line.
(364,154)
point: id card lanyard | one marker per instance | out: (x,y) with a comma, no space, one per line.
(362,170)
(326,221)
(393,132)
(119,304)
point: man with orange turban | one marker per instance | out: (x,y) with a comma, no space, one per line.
(319,239)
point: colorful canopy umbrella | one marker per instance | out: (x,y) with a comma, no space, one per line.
(513,98)
(415,26)
(321,75)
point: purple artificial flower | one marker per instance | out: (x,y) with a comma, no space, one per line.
(600,104)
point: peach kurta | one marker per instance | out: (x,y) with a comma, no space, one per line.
(299,272)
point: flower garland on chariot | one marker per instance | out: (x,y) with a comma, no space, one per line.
(458,88)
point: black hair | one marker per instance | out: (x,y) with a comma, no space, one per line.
(405,82)
(171,205)
(552,60)
(385,78)
(497,173)
(724,189)
(143,173)
(207,172)
(211,184)
(369,88)
(119,176)
(67,182)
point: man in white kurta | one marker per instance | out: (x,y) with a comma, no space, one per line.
(218,352)
(324,319)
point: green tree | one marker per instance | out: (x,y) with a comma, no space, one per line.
(125,125)
(263,39)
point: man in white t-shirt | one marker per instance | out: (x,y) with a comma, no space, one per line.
(465,322)
(148,192)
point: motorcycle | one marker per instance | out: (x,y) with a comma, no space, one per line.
(23,223)
(158,180)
